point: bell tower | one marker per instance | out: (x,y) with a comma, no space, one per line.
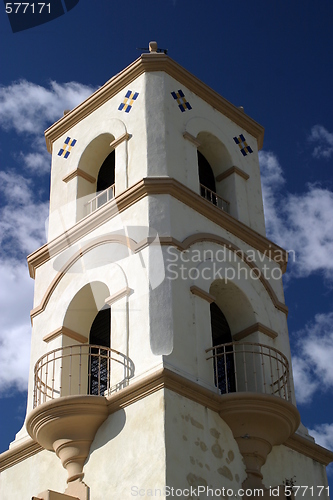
(160,361)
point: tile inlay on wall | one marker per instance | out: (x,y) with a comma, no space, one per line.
(244,148)
(181,100)
(127,103)
(66,149)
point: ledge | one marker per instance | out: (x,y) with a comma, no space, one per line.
(152,186)
(79,173)
(256,327)
(167,379)
(62,330)
(19,453)
(230,171)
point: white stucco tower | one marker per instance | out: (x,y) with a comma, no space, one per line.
(160,360)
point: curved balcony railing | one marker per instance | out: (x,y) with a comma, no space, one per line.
(80,370)
(250,367)
(100,199)
(214,198)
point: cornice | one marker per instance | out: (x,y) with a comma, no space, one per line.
(125,292)
(79,173)
(202,294)
(19,453)
(151,63)
(230,171)
(167,379)
(67,332)
(256,327)
(152,186)
(309,449)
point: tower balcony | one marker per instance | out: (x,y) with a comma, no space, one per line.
(70,385)
(100,199)
(214,198)
(254,382)
(250,367)
(80,370)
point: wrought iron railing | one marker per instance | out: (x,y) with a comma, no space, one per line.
(80,370)
(250,367)
(100,199)
(214,198)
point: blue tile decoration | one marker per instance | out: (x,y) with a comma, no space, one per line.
(127,103)
(181,100)
(66,149)
(244,148)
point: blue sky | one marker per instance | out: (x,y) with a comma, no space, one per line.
(273,58)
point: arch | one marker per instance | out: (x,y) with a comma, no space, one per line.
(73,259)
(216,153)
(106,174)
(224,369)
(84,307)
(237,308)
(100,335)
(206,174)
(106,147)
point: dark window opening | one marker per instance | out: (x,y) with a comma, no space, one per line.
(105,177)
(99,365)
(224,368)
(206,175)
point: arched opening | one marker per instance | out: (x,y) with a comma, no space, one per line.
(206,179)
(99,369)
(106,180)
(224,370)
(206,175)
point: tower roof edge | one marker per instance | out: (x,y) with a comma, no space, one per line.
(153,62)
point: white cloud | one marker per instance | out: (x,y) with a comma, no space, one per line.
(323,141)
(25,108)
(29,108)
(22,218)
(22,221)
(312,365)
(323,435)
(16,294)
(300,222)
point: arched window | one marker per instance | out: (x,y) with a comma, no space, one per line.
(106,180)
(99,369)
(224,371)
(206,179)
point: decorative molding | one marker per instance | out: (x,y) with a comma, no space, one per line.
(230,171)
(63,330)
(256,327)
(120,139)
(165,241)
(309,449)
(167,379)
(152,186)
(202,294)
(192,139)
(125,292)
(150,63)
(79,173)
(18,453)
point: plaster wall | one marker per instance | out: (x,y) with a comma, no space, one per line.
(128,451)
(284,463)
(201,450)
(35,474)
